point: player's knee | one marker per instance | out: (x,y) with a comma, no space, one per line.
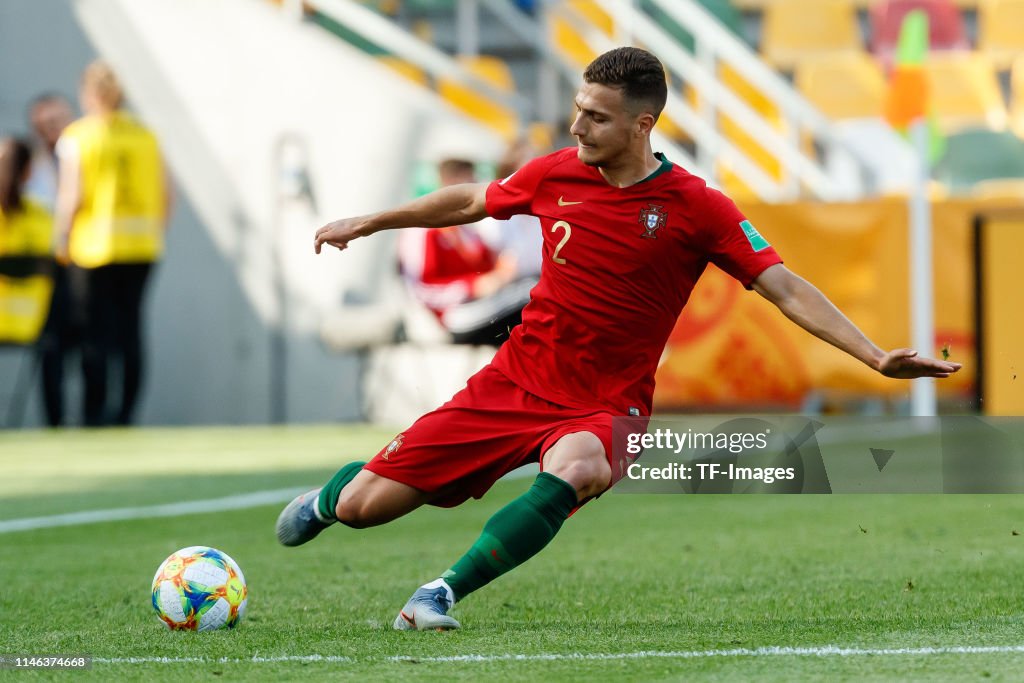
(589,477)
(580,460)
(354,510)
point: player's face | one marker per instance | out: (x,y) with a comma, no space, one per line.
(604,128)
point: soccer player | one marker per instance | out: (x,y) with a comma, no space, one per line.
(626,236)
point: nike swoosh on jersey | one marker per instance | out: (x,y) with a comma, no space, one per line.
(562,202)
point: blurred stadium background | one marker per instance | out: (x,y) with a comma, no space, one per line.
(278,116)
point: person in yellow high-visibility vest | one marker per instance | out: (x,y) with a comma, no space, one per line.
(113,201)
(26,240)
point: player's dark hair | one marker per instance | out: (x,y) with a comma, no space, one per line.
(636,72)
(11,177)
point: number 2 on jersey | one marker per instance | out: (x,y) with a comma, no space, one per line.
(565,238)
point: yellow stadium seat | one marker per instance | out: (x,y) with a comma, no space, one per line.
(843,85)
(409,71)
(668,126)
(670,129)
(566,37)
(1017,97)
(964,91)
(731,183)
(1001,30)
(502,119)
(796,30)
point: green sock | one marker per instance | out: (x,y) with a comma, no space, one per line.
(331,491)
(514,534)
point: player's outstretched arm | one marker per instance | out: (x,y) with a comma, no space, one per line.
(453,205)
(810,309)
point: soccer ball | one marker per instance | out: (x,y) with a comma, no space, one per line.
(199,589)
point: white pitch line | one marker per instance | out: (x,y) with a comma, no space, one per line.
(239,502)
(331,659)
(776,651)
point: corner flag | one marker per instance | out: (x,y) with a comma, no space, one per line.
(907,98)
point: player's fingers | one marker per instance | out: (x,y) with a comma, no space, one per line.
(321,238)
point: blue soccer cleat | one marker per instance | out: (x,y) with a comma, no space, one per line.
(427,610)
(300,521)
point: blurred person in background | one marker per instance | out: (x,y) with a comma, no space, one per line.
(49,114)
(26,250)
(26,227)
(113,203)
(463,273)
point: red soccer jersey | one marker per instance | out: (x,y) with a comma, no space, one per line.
(619,264)
(443,264)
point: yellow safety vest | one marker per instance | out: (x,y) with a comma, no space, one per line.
(26,232)
(120,218)
(25,301)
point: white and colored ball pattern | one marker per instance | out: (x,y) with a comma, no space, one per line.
(199,589)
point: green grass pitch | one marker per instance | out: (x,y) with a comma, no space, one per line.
(868,587)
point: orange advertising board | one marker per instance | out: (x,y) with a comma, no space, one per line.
(732,348)
(1001,320)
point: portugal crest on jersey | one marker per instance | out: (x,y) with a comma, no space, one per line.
(653,220)
(393,446)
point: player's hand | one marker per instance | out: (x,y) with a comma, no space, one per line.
(907,364)
(337,234)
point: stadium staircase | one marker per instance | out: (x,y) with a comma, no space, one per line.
(730,117)
(772,99)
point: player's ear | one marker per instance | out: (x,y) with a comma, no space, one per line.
(644,123)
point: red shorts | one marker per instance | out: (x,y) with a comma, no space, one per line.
(485,431)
